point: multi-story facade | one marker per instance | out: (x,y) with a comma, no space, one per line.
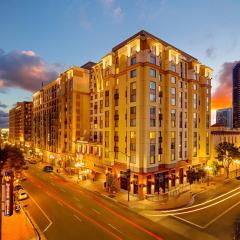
(20,124)
(149,112)
(236,96)
(220,134)
(61,116)
(224,116)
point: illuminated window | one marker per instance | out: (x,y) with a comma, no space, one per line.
(133,73)
(152,72)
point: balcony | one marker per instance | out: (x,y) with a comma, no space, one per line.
(115,149)
(116,117)
(116,96)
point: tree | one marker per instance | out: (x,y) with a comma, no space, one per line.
(227,152)
(215,167)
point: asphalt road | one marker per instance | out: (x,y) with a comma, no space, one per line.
(211,217)
(64,210)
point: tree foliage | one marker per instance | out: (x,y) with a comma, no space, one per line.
(11,157)
(227,152)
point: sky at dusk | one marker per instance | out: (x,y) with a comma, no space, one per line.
(39,39)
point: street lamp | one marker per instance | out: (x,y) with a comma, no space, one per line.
(78,165)
(237,162)
(208,168)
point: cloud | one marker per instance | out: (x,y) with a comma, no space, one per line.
(210,52)
(3,119)
(113,9)
(2,105)
(222,97)
(25,70)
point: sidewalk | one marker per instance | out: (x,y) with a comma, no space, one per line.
(163,203)
(18,227)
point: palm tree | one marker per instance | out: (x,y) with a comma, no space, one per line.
(226,153)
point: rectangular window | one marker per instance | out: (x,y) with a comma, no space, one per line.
(195,120)
(152,72)
(173,118)
(152,116)
(152,59)
(180,145)
(133,116)
(173,96)
(173,143)
(133,92)
(195,144)
(133,73)
(195,101)
(173,79)
(152,91)
(107,99)
(152,153)
(133,60)
(106,118)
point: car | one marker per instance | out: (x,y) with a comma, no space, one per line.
(22,195)
(48,169)
(18,187)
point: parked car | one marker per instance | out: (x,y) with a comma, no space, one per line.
(22,195)
(48,169)
(18,187)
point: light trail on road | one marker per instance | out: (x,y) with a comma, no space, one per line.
(97,200)
(89,219)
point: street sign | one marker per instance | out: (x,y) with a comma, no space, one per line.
(8,193)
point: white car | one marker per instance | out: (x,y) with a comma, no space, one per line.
(22,195)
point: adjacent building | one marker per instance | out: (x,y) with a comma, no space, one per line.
(61,116)
(224,117)
(236,96)
(219,134)
(149,112)
(20,124)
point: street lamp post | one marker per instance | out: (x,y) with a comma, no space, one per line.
(208,168)
(78,165)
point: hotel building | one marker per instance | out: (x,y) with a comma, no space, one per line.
(20,124)
(150,112)
(61,116)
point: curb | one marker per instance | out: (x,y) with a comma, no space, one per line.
(40,235)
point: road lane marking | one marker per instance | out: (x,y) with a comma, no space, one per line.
(189,222)
(212,221)
(220,215)
(50,221)
(77,199)
(195,210)
(62,190)
(79,219)
(115,228)
(89,219)
(204,203)
(59,203)
(96,211)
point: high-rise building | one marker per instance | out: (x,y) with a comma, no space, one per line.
(150,108)
(20,124)
(236,96)
(61,116)
(224,116)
